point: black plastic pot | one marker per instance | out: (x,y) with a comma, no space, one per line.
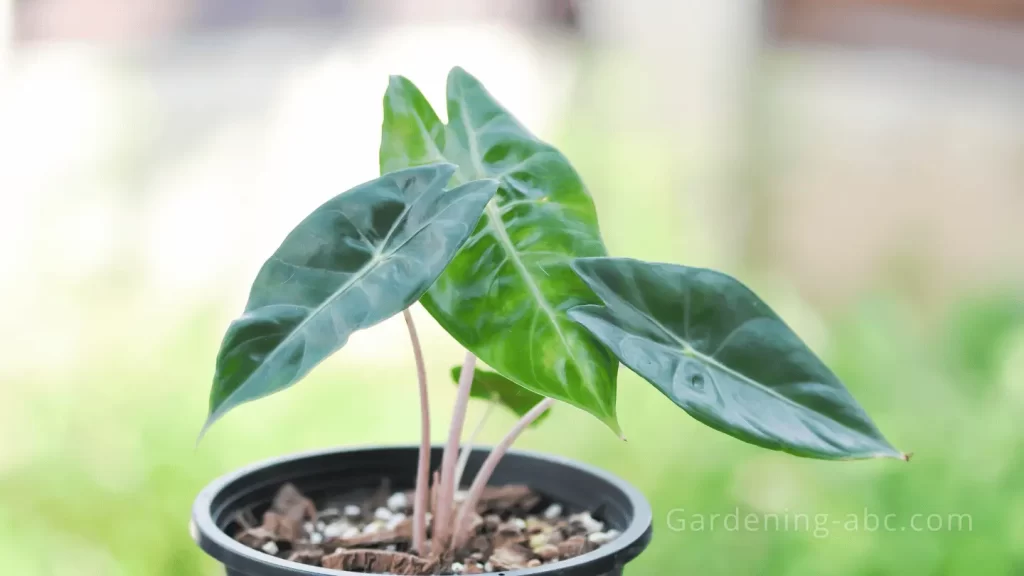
(336,472)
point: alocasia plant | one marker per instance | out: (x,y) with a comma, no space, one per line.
(495,234)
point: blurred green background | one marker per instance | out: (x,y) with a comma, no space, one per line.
(869,188)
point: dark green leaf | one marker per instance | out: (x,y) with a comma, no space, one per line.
(720,353)
(355,261)
(494,387)
(506,294)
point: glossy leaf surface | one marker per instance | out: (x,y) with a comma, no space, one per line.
(720,353)
(358,259)
(494,387)
(506,294)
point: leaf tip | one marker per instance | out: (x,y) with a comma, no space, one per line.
(460,79)
(396,80)
(894,454)
(613,423)
(202,432)
(211,418)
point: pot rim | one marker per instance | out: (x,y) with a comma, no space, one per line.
(227,550)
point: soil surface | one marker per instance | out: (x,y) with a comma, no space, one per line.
(514,528)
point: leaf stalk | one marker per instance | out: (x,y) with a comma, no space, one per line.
(419,516)
(446,492)
(483,476)
(467,446)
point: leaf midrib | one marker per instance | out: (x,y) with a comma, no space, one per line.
(495,226)
(500,234)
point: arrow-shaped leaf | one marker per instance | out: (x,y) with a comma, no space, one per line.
(360,258)
(494,387)
(720,353)
(506,294)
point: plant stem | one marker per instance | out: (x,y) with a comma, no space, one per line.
(467,446)
(484,475)
(419,515)
(435,485)
(446,494)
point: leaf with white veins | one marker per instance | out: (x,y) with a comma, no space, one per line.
(506,294)
(355,261)
(722,355)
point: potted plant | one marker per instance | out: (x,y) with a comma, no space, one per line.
(494,233)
